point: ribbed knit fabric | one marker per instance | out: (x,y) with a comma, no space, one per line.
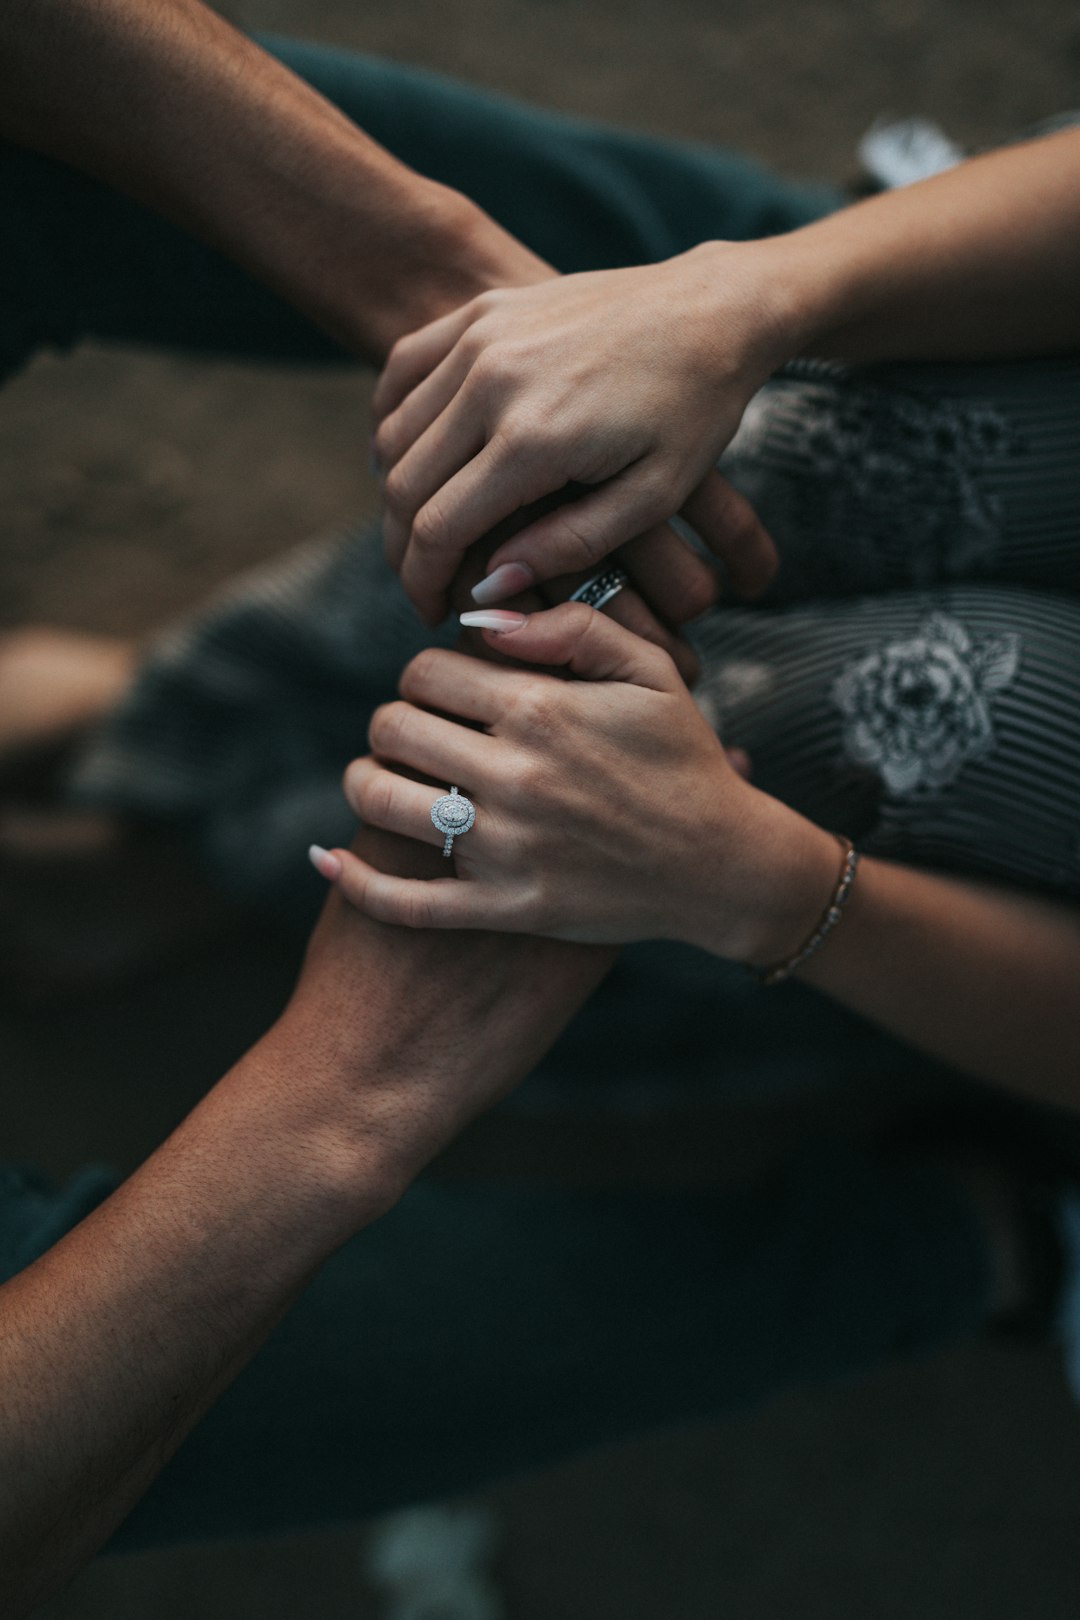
(916,475)
(913,679)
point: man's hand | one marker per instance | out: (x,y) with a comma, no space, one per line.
(119,1338)
(424,1030)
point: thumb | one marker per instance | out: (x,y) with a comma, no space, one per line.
(582,640)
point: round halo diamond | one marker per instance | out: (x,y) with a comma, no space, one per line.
(453,814)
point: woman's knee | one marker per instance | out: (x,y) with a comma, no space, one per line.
(938,728)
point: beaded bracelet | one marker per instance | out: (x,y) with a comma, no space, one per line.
(829,919)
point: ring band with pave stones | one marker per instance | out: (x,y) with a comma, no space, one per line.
(601,588)
(453,814)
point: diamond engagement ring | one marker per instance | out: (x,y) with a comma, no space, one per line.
(453,814)
(601,588)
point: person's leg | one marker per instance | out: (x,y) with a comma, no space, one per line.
(938,728)
(581,194)
(481,1330)
(905,476)
(240,723)
(82,261)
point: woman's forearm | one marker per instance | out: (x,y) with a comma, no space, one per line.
(165,100)
(981,261)
(983,977)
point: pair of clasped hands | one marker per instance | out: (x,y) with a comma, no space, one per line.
(607,809)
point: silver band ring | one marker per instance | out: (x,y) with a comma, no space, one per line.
(602,587)
(453,814)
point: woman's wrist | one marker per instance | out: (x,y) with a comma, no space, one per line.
(768,897)
(809,287)
(756,315)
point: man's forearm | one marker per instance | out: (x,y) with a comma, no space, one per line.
(979,262)
(115,1343)
(165,100)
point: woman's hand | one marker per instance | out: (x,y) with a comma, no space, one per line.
(629,382)
(607,810)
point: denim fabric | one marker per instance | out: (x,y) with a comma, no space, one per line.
(482,1329)
(1069,1309)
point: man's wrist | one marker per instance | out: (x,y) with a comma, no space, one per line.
(433,250)
(344,1161)
(381,255)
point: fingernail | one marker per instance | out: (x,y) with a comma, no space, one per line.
(327,865)
(494,619)
(507,580)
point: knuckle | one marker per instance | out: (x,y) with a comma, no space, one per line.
(385,443)
(572,623)
(472,342)
(416,908)
(698,595)
(589,545)
(352,886)
(486,303)
(494,365)
(387,726)
(528,432)
(539,904)
(534,708)
(430,531)
(397,489)
(526,785)
(352,783)
(401,351)
(578,621)
(421,671)
(379,799)
(737,515)
(669,664)
(497,298)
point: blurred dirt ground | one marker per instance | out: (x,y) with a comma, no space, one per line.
(134,482)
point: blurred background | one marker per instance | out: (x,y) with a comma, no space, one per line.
(134,482)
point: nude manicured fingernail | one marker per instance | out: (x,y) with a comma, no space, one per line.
(494,619)
(508,580)
(327,865)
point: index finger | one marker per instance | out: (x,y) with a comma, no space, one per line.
(488,489)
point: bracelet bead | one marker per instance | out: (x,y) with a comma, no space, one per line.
(832,914)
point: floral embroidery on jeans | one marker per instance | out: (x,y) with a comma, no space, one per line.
(918,710)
